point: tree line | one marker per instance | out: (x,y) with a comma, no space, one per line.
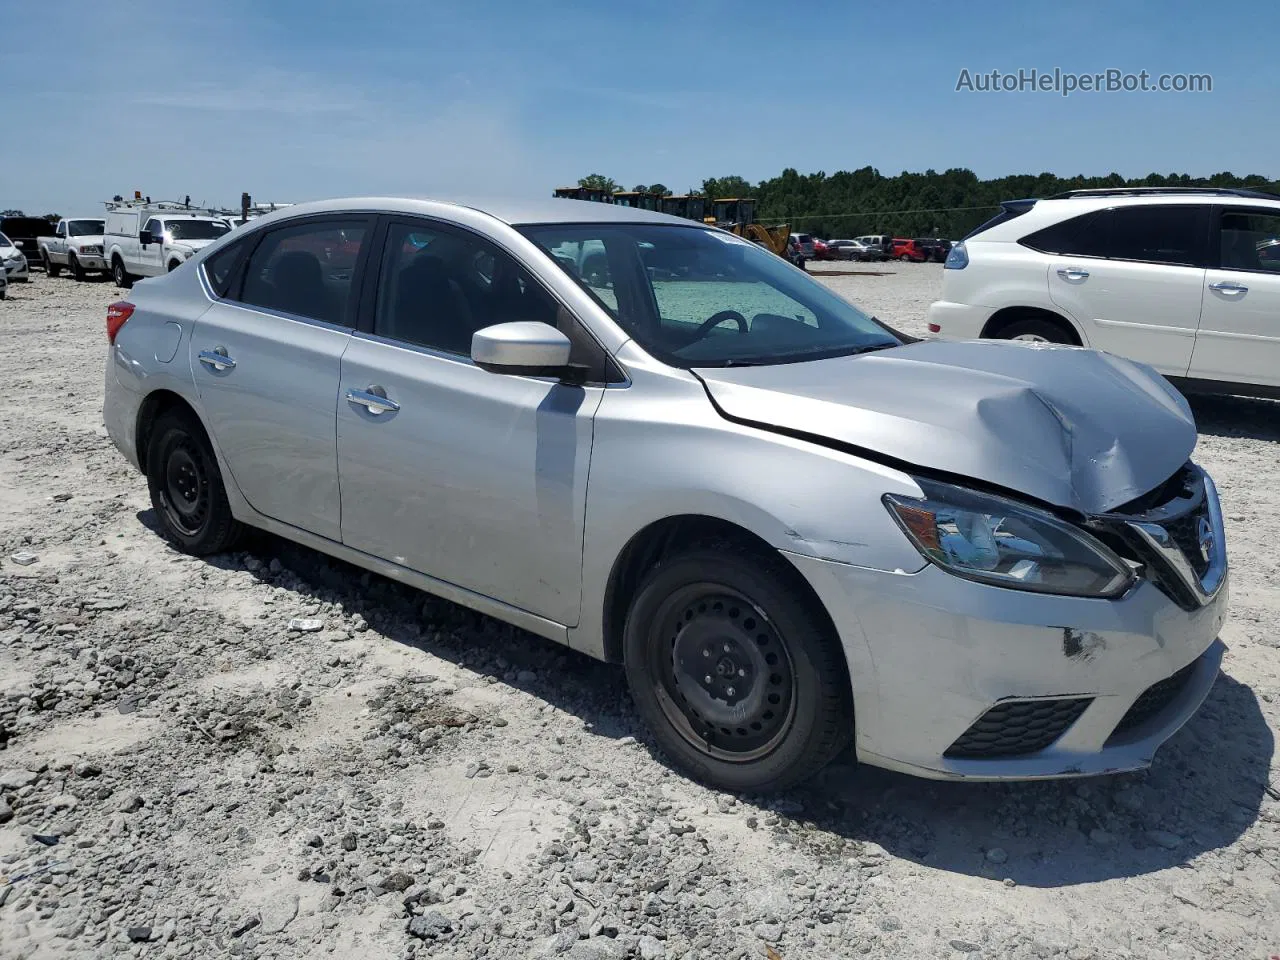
(929,204)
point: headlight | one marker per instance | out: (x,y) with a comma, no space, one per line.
(1009,544)
(91,249)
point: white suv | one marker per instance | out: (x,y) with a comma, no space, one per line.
(1186,280)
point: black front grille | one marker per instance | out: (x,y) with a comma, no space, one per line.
(1154,699)
(1185,532)
(1017,727)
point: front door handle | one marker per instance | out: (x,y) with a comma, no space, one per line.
(217,359)
(374,399)
(1229,287)
(1073,273)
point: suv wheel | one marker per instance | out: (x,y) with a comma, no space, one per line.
(1037,330)
(120,275)
(186,487)
(742,685)
(50,268)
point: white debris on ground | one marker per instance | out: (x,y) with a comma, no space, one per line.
(271,754)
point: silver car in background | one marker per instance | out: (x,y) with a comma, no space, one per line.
(664,446)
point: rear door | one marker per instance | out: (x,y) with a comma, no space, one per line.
(1239,336)
(266,360)
(1132,277)
(473,478)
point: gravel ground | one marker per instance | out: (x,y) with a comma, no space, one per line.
(181,774)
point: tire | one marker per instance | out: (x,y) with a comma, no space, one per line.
(1034,328)
(120,275)
(905,258)
(50,268)
(186,487)
(741,613)
(73,264)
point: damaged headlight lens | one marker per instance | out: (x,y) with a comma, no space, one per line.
(1009,544)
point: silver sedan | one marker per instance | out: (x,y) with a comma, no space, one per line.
(663,446)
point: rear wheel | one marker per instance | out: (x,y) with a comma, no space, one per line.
(73,265)
(743,685)
(905,258)
(1037,330)
(120,275)
(186,487)
(50,268)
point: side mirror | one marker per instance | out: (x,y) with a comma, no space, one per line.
(145,238)
(524,348)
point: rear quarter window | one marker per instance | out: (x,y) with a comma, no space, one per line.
(222,268)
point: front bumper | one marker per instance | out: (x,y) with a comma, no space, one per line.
(17,271)
(930,654)
(90,261)
(957,321)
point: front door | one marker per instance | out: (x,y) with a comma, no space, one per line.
(149,264)
(266,360)
(1239,337)
(1132,279)
(473,478)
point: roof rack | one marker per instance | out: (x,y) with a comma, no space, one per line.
(1158,191)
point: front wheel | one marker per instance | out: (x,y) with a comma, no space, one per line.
(50,268)
(120,275)
(1036,330)
(77,271)
(741,681)
(186,487)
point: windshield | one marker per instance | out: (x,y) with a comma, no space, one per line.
(695,297)
(5,241)
(84,228)
(196,229)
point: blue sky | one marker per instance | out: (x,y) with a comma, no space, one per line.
(301,99)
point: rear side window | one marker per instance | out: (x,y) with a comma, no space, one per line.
(307,270)
(1250,241)
(1143,234)
(220,269)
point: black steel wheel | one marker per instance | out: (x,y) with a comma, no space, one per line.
(186,487)
(736,669)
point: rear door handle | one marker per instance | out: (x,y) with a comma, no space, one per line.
(1229,287)
(217,359)
(374,399)
(1073,273)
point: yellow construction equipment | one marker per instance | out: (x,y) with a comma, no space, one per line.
(738,216)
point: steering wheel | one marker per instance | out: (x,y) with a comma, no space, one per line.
(710,324)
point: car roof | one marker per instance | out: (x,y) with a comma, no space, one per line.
(512,211)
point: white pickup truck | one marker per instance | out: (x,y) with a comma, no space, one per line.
(77,245)
(147,242)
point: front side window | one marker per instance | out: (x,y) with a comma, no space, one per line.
(438,287)
(197,229)
(307,270)
(1250,241)
(156,229)
(695,297)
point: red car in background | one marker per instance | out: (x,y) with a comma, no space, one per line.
(820,251)
(903,249)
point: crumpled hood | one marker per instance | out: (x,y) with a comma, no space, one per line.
(1068,426)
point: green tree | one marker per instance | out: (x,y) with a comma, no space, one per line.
(727,187)
(598,181)
(658,188)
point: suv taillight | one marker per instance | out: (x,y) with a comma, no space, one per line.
(957,259)
(117,314)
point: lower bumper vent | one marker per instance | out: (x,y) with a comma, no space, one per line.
(1017,727)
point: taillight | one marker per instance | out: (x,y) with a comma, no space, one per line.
(117,314)
(935,328)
